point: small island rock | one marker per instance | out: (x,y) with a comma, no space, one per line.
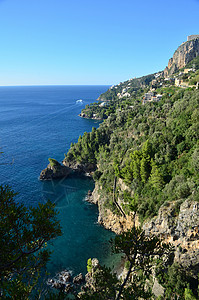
(54,170)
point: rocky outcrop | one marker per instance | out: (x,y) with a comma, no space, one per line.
(114,222)
(65,282)
(79,279)
(90,277)
(182,56)
(94,196)
(86,168)
(85,116)
(54,172)
(179,224)
(110,220)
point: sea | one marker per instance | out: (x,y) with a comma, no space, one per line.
(37,123)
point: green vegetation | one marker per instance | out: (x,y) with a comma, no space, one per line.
(194,78)
(143,254)
(53,162)
(132,85)
(88,145)
(153,148)
(177,282)
(24,233)
(89,265)
(194,62)
(140,252)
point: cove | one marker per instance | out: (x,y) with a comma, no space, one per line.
(39,122)
(82,236)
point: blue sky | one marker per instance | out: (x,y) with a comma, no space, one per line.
(90,41)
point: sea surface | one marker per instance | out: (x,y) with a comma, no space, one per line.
(38,122)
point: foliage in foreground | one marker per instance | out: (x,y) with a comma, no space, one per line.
(145,256)
(24,233)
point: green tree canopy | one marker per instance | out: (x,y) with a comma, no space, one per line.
(24,233)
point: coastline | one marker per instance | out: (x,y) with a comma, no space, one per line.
(87,118)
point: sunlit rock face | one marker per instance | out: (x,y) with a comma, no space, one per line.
(182,56)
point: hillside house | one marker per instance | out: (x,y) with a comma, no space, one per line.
(178,81)
(150,97)
(186,71)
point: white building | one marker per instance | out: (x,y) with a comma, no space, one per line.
(192,37)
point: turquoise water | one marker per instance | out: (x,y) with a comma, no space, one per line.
(37,123)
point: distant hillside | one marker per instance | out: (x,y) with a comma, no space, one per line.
(127,88)
(144,159)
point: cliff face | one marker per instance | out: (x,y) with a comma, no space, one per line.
(54,172)
(110,220)
(178,224)
(86,168)
(182,56)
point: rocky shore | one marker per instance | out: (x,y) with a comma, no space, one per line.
(54,172)
(176,223)
(86,169)
(57,170)
(75,285)
(66,282)
(83,115)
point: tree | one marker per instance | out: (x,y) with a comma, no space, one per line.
(24,233)
(140,251)
(136,164)
(156,178)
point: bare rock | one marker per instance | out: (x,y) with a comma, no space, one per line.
(54,172)
(79,279)
(180,229)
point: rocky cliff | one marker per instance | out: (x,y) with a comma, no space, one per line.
(54,172)
(177,223)
(113,221)
(81,168)
(182,56)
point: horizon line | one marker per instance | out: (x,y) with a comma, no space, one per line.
(21,85)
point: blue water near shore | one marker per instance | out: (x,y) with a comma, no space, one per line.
(39,122)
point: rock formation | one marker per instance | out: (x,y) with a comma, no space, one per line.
(87,168)
(178,224)
(54,172)
(64,281)
(110,220)
(182,56)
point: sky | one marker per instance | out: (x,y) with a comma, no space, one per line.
(62,42)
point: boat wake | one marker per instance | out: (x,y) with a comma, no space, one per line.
(80,101)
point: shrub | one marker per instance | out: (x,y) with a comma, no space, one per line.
(54,162)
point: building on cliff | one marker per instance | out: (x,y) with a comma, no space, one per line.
(192,37)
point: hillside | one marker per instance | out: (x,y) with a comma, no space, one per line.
(145,162)
(144,159)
